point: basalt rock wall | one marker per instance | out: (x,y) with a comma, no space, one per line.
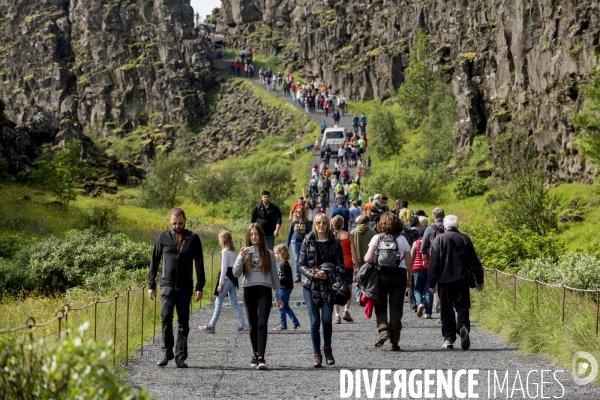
(515,65)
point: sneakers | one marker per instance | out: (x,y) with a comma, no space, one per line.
(241,329)
(280,328)
(297,280)
(318,359)
(420,310)
(427,316)
(448,344)
(262,364)
(180,363)
(337,320)
(329,355)
(168,356)
(347,316)
(465,342)
(209,329)
(296,326)
(254,361)
(394,346)
(383,336)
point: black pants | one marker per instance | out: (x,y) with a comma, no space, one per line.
(454,296)
(175,299)
(391,290)
(258,300)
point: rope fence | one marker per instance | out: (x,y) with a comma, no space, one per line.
(571,298)
(65,316)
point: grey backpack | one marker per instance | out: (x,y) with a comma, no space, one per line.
(387,254)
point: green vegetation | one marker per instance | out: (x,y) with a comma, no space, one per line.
(166,182)
(98,215)
(587,122)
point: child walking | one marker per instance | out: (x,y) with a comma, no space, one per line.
(228,284)
(286,284)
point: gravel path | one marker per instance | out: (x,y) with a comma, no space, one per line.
(219,364)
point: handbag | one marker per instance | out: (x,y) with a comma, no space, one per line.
(471,278)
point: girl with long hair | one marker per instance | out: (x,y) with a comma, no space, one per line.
(350,264)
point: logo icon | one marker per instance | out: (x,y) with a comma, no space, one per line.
(585,368)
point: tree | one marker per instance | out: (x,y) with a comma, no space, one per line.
(165,182)
(61,175)
(386,136)
(587,122)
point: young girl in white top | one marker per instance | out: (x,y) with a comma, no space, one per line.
(228,284)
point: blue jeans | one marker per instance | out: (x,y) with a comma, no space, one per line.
(422,284)
(287,310)
(270,242)
(296,254)
(318,316)
(228,288)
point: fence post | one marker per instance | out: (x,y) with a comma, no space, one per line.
(128,289)
(30,323)
(563,302)
(597,308)
(537,288)
(515,291)
(66,308)
(142,334)
(496,271)
(59,314)
(116,296)
(95,315)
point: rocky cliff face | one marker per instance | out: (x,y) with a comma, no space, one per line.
(514,65)
(66,65)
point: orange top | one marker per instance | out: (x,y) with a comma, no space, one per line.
(368,207)
(347,251)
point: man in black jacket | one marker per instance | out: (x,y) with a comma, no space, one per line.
(179,249)
(452,258)
(268,216)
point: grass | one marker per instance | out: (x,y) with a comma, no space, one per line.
(535,325)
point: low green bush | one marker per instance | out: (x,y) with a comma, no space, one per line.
(507,249)
(10,244)
(75,369)
(573,269)
(99,215)
(402,182)
(56,263)
(469,186)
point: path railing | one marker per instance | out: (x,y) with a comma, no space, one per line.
(575,300)
(126,311)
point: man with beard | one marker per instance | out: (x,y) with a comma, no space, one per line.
(180,250)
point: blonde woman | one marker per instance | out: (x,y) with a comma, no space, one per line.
(299,227)
(350,264)
(320,246)
(257,264)
(228,284)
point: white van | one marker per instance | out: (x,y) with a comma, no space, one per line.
(334,137)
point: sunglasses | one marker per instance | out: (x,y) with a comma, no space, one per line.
(320,223)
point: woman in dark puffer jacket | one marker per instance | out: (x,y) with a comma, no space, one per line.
(319,246)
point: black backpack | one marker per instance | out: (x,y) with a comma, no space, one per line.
(438,230)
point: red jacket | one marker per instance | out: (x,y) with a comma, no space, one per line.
(418,262)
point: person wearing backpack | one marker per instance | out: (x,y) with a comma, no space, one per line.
(320,247)
(390,253)
(432,231)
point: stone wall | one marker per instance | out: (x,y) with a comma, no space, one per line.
(514,65)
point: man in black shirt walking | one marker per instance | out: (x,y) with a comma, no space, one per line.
(268,216)
(180,251)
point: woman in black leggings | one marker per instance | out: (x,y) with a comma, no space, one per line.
(261,279)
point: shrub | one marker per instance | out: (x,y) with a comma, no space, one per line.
(507,249)
(402,182)
(386,136)
(75,369)
(99,215)
(10,244)
(469,186)
(56,264)
(166,182)
(573,269)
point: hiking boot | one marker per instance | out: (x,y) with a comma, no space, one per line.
(180,362)
(420,310)
(208,329)
(296,327)
(318,361)
(427,316)
(383,336)
(347,316)
(337,320)
(254,360)
(280,328)
(329,360)
(262,364)
(465,342)
(167,357)
(242,328)
(394,346)
(448,344)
